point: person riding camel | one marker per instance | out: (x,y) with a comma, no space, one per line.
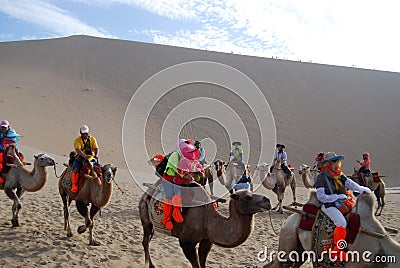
(365,164)
(178,172)
(332,188)
(7,136)
(281,154)
(86,148)
(318,161)
(236,154)
(200,152)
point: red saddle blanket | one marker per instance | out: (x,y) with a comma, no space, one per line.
(307,221)
(85,170)
(375,176)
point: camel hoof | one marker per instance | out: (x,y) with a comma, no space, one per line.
(15,223)
(69,234)
(81,229)
(94,243)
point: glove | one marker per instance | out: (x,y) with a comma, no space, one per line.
(364,189)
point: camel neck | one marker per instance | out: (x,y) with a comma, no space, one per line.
(229,231)
(34,180)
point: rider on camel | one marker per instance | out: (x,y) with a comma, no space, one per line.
(365,164)
(86,149)
(332,188)
(7,136)
(281,154)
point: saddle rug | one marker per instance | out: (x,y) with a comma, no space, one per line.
(192,195)
(322,240)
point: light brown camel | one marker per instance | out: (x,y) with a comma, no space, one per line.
(379,188)
(90,193)
(19,179)
(276,181)
(220,171)
(308,175)
(233,173)
(292,239)
(204,225)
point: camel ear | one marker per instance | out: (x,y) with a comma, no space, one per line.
(114,170)
(235,197)
(35,155)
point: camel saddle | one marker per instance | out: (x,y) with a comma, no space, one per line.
(66,180)
(322,228)
(156,209)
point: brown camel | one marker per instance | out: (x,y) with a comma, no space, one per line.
(378,188)
(93,191)
(19,179)
(308,175)
(204,225)
(276,181)
(293,239)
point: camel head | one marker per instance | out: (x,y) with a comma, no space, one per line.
(108,172)
(365,205)
(248,203)
(303,168)
(262,167)
(219,166)
(43,160)
(277,164)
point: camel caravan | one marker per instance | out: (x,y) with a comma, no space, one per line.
(332,224)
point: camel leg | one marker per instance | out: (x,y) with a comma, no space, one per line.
(211,184)
(204,249)
(148,231)
(293,187)
(15,207)
(189,249)
(83,210)
(67,226)
(93,210)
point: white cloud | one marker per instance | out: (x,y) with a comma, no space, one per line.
(333,32)
(49,17)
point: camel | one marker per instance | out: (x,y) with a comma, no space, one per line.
(208,177)
(19,179)
(204,225)
(219,166)
(308,175)
(378,188)
(276,181)
(93,191)
(373,238)
(233,173)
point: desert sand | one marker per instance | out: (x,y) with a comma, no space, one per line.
(49,88)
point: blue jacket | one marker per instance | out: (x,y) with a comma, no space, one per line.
(10,135)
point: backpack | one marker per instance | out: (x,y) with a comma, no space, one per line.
(161,167)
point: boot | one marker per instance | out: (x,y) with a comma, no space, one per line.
(176,213)
(338,253)
(167,215)
(74,181)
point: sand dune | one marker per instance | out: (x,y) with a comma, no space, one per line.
(51,87)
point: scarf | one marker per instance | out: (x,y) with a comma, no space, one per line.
(335,175)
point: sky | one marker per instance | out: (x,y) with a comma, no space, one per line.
(353,33)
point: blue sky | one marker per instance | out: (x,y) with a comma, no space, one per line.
(338,32)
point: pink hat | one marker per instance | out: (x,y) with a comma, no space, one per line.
(4,123)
